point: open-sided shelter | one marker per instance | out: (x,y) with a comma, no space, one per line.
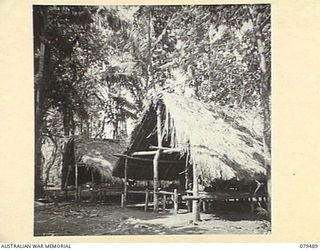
(179,138)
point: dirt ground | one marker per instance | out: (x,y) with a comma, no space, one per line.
(106,219)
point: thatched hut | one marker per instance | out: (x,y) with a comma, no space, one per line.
(183,138)
(91,160)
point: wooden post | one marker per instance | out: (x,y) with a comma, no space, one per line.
(76,181)
(204,206)
(189,207)
(164,202)
(186,172)
(146,200)
(122,200)
(155,181)
(195,203)
(75,173)
(251,204)
(92,194)
(175,201)
(125,191)
(156,161)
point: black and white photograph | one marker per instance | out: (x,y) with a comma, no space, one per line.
(152,119)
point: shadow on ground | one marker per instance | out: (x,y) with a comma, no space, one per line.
(100,219)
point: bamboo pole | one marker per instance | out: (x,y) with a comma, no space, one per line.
(195,203)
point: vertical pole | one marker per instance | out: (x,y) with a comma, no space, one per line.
(175,201)
(125,191)
(76,174)
(155,181)
(195,207)
(122,200)
(186,172)
(76,182)
(269,190)
(204,206)
(252,205)
(146,200)
(156,161)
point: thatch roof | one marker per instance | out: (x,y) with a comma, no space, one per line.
(96,154)
(225,143)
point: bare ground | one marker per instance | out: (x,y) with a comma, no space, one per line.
(101,219)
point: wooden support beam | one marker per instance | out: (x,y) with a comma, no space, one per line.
(165,192)
(195,203)
(144,153)
(156,180)
(166,151)
(156,161)
(145,159)
(178,150)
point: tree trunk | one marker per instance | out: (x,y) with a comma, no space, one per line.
(51,163)
(39,82)
(265,95)
(72,123)
(66,120)
(265,99)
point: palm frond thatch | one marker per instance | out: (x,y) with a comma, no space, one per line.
(97,155)
(224,143)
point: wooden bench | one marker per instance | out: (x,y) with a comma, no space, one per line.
(162,194)
(205,197)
